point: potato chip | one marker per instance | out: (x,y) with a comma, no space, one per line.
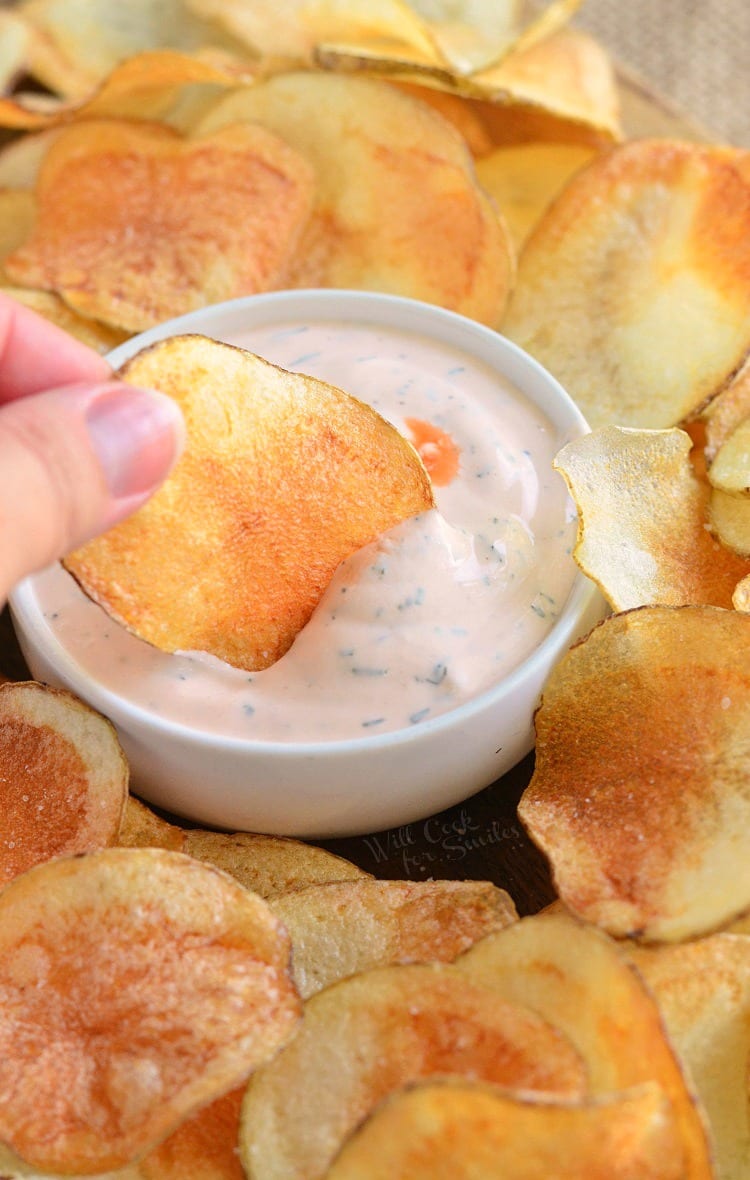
(144,258)
(21,158)
(204,1147)
(90,332)
(729,519)
(642,747)
(725,412)
(350,926)
(462,113)
(451,1130)
(730,470)
(14,50)
(562,88)
(579,979)
(261,443)
(369,1035)
(398,207)
(64,777)
(523,180)
(703,991)
(269,865)
(17,213)
(137,986)
(634,289)
(143,828)
(13,1168)
(76,43)
(643,517)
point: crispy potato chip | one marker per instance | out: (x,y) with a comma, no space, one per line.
(461,112)
(523,180)
(143,828)
(13,1168)
(369,1035)
(642,747)
(634,289)
(161,84)
(642,520)
(730,470)
(204,1147)
(76,43)
(725,412)
(21,158)
(729,519)
(137,986)
(741,596)
(64,777)
(579,979)
(17,213)
(703,991)
(350,926)
(144,258)
(269,865)
(374,150)
(261,442)
(14,49)
(453,1130)
(96,335)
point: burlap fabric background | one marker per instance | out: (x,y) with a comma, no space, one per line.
(694,52)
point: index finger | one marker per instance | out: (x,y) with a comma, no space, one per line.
(36,355)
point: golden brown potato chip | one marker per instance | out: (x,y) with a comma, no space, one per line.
(350,926)
(703,991)
(76,43)
(643,514)
(269,865)
(523,179)
(581,981)
(92,333)
(637,798)
(369,1035)
(64,777)
(398,208)
(244,198)
(204,1147)
(143,828)
(13,1168)
(453,1130)
(634,289)
(137,986)
(17,213)
(261,442)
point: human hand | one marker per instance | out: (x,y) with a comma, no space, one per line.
(79,450)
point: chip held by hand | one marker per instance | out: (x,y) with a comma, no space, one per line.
(282,478)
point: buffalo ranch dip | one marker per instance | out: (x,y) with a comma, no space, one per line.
(429,615)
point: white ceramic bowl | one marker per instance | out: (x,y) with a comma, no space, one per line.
(342,787)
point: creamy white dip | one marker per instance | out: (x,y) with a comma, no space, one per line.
(433,613)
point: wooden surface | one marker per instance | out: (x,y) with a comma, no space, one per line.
(481,839)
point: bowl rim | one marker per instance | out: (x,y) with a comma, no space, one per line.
(360,307)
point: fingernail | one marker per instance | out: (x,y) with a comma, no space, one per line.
(137,435)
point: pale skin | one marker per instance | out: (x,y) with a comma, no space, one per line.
(79,450)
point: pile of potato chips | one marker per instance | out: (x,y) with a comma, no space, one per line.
(196,1004)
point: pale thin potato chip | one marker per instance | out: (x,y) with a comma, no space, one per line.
(371,1034)
(725,412)
(642,752)
(634,288)
(452,1130)
(269,865)
(729,518)
(561,88)
(703,992)
(90,332)
(143,828)
(261,443)
(399,208)
(643,516)
(730,469)
(21,158)
(462,113)
(580,980)
(244,198)
(137,986)
(64,777)
(204,1147)
(524,178)
(14,49)
(76,43)
(350,926)
(741,596)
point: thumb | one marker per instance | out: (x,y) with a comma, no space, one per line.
(74,461)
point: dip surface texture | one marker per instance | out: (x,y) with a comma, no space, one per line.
(433,613)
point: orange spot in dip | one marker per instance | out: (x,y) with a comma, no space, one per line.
(437,450)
